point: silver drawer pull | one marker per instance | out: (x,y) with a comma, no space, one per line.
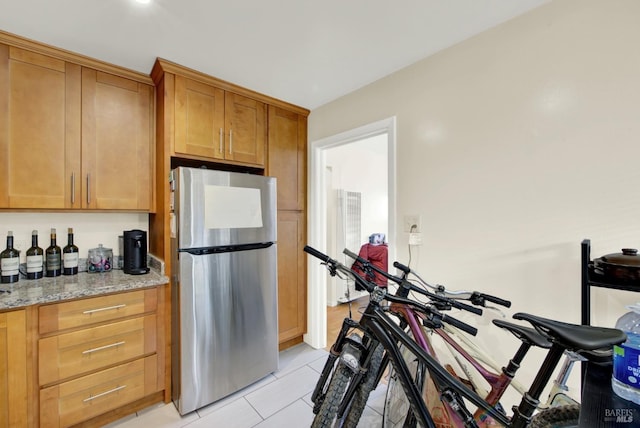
(102,394)
(108,308)
(101,348)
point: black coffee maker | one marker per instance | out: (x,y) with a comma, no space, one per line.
(134,244)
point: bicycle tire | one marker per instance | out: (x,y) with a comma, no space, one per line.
(334,396)
(326,372)
(557,417)
(367,385)
(398,411)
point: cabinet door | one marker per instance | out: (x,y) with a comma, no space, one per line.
(39,130)
(292,289)
(13,369)
(117,132)
(199,119)
(246,127)
(287,156)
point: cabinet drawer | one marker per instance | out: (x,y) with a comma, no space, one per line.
(78,352)
(80,313)
(84,398)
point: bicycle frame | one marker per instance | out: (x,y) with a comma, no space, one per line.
(389,334)
(380,328)
(498,383)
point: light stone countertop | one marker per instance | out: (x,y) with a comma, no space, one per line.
(49,290)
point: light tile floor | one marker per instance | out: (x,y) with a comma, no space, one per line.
(282,399)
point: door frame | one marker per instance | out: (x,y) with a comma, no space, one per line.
(316,335)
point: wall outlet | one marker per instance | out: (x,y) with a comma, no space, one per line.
(412,223)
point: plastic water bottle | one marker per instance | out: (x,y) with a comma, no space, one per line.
(626,357)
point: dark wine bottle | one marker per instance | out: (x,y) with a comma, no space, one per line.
(35,261)
(9,262)
(70,256)
(53,256)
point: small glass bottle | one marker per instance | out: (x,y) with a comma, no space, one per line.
(35,259)
(9,262)
(53,256)
(70,256)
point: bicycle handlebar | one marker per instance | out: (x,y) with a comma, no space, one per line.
(317,254)
(403,283)
(427,310)
(402,267)
(459,324)
(481,297)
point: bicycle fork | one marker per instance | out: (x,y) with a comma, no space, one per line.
(337,351)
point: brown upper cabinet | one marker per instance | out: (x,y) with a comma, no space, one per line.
(40,99)
(217,124)
(72,137)
(117,132)
(210,122)
(288,156)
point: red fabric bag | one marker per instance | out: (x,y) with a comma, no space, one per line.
(377,254)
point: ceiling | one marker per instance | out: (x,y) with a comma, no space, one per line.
(304,52)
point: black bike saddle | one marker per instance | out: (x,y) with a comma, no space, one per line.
(572,336)
(526,334)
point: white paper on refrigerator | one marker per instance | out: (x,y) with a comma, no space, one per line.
(232,207)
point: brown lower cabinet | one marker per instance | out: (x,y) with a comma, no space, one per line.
(77,400)
(292,292)
(97,355)
(13,369)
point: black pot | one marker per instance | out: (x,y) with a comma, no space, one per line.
(623,266)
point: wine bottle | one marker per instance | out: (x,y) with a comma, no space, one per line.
(70,256)
(9,262)
(53,256)
(35,261)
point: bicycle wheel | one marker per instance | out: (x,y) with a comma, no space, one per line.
(397,408)
(333,397)
(364,389)
(557,417)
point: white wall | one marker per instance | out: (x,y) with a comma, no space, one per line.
(361,166)
(90,229)
(514,146)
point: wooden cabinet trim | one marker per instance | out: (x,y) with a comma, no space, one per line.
(65,55)
(163,66)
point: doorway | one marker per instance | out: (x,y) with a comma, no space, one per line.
(319,177)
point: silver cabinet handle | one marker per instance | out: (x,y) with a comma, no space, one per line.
(221,139)
(102,394)
(106,308)
(102,348)
(73,188)
(231,141)
(88,188)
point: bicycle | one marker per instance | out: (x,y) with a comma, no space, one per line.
(559,405)
(378,328)
(483,363)
(443,299)
(352,368)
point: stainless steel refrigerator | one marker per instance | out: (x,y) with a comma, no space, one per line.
(224,279)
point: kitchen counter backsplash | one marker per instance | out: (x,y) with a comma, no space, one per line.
(48,290)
